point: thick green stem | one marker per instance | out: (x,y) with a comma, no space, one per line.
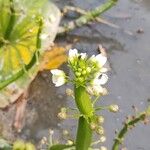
(125,129)
(84,104)
(89,16)
(83,101)
(84,134)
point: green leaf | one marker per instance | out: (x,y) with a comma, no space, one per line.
(4,145)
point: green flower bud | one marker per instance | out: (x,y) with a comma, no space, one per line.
(84,72)
(81,79)
(113,108)
(88,69)
(77,74)
(79,69)
(100,130)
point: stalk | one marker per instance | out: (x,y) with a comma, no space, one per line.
(83,101)
(118,141)
(84,134)
(86,18)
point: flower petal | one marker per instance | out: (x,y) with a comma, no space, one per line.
(103,79)
(83,55)
(73,53)
(101,59)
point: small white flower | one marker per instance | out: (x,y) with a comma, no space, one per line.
(100,59)
(58,77)
(100,81)
(73,53)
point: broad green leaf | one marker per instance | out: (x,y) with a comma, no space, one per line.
(31,28)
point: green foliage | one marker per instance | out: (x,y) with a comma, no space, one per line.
(22,24)
(4,145)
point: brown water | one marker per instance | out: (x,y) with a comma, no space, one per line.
(129,82)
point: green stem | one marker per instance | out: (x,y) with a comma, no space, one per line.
(11,21)
(83,101)
(89,16)
(84,134)
(125,129)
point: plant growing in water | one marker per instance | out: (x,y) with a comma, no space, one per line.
(88,78)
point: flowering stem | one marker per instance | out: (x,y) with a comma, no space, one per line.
(83,101)
(84,104)
(84,134)
(125,129)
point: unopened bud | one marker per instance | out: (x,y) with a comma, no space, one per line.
(103,148)
(100,119)
(102,139)
(93,125)
(65,132)
(70,142)
(100,130)
(69,92)
(113,108)
(62,115)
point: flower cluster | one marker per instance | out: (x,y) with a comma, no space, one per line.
(88,72)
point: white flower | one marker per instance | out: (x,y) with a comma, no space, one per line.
(100,59)
(58,77)
(73,53)
(100,81)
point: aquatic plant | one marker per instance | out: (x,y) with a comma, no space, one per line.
(88,78)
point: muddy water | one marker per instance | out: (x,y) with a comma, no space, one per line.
(129,83)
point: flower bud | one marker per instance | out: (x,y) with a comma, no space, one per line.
(114,108)
(102,139)
(100,130)
(100,119)
(69,92)
(93,125)
(103,148)
(70,142)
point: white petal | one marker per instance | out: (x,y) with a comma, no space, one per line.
(103,79)
(100,81)
(60,82)
(57,72)
(73,53)
(104,70)
(83,55)
(101,59)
